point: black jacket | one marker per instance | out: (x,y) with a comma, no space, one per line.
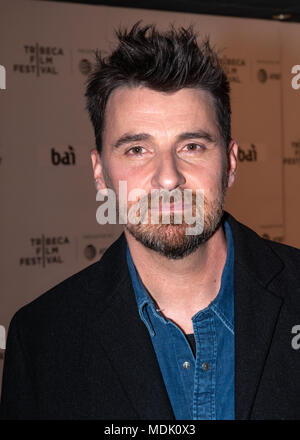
(81,351)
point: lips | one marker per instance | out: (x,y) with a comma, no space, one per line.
(171,207)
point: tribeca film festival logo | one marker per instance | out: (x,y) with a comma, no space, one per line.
(40,60)
(232,67)
(46,250)
(294,158)
(162,203)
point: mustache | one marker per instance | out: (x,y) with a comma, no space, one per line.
(186,200)
(165,196)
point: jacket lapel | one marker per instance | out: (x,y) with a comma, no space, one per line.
(256,313)
(125,338)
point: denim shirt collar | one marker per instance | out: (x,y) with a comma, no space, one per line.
(222,305)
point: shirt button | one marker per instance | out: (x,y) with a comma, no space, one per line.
(186,365)
(205,366)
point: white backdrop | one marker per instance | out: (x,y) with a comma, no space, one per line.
(48,225)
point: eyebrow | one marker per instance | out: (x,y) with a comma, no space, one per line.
(129,137)
(199,134)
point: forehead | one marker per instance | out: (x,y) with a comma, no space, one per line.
(129,108)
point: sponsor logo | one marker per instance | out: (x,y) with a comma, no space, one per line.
(263,75)
(45,250)
(40,60)
(85,66)
(291,161)
(249,155)
(294,159)
(84,60)
(296,146)
(94,245)
(63,158)
(90,252)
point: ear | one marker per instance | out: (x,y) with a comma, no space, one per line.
(232,154)
(97,168)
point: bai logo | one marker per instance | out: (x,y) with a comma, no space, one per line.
(249,155)
(65,158)
(296,79)
(2,78)
(296,339)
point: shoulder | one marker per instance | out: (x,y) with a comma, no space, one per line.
(56,305)
(245,233)
(71,298)
(288,254)
(284,250)
(263,257)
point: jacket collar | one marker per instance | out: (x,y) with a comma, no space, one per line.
(253,253)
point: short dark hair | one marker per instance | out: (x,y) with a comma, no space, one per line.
(165,62)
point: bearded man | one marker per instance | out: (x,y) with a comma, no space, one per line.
(169,324)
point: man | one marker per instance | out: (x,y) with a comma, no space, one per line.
(167,325)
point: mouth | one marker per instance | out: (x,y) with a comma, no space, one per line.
(171,207)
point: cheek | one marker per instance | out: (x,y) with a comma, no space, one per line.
(218,172)
(115,171)
(208,178)
(133,181)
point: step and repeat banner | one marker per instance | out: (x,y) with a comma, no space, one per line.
(48,200)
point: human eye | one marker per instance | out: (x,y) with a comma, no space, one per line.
(135,151)
(193,147)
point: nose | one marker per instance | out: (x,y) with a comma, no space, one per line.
(167,175)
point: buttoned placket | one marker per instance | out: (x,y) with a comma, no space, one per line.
(170,332)
(204,396)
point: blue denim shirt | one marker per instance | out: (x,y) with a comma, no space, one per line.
(200,388)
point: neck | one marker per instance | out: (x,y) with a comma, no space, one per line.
(182,286)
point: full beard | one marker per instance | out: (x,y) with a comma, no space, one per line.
(171,240)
